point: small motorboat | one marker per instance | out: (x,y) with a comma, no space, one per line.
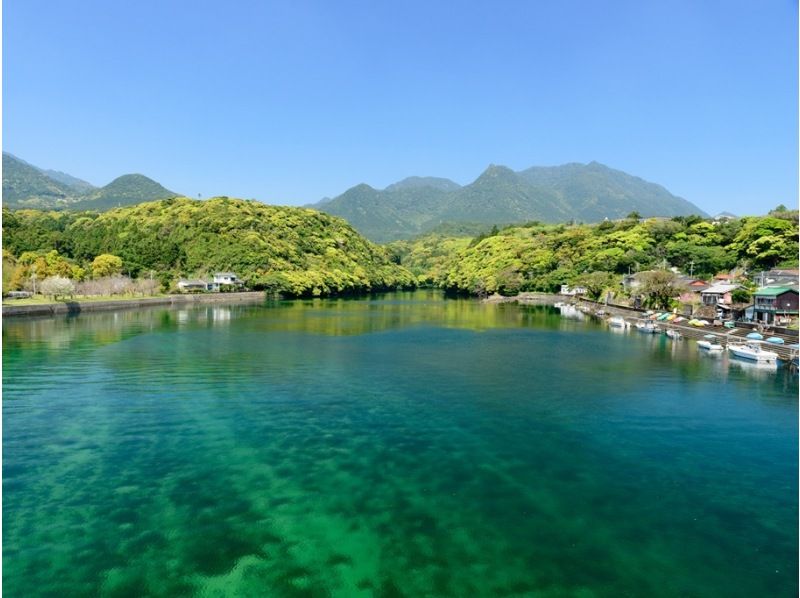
(753,351)
(646,327)
(710,343)
(618,322)
(674,334)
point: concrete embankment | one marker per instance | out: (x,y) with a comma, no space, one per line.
(724,336)
(529,298)
(75,307)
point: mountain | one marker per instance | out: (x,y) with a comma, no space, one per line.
(126,190)
(595,192)
(389,214)
(582,192)
(416,182)
(27,186)
(79,185)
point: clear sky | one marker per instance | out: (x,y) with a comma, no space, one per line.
(287,102)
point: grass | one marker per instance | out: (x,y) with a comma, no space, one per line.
(42,300)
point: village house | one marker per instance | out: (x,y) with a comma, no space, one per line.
(225,278)
(718,294)
(220,279)
(776,278)
(571,291)
(192,286)
(775,305)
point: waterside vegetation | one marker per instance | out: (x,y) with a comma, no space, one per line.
(301,252)
(541,257)
(293,251)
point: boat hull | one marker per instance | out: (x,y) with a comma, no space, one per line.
(750,355)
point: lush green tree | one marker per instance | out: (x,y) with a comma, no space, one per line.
(106,265)
(741,295)
(659,288)
(596,283)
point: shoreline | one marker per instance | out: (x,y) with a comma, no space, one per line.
(77,307)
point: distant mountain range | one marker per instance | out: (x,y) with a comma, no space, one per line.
(581,192)
(28,186)
(415,205)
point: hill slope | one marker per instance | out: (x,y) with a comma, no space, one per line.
(293,250)
(581,192)
(28,186)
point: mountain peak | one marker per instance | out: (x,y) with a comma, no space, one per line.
(417,182)
(495,171)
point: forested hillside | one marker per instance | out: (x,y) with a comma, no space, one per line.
(296,251)
(541,257)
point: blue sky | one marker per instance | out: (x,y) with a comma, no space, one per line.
(288,102)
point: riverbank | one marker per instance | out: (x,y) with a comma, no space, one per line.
(601,310)
(528,298)
(76,307)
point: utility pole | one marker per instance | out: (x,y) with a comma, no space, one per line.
(691,268)
(33,277)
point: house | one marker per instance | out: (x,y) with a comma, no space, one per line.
(633,281)
(567,290)
(719,293)
(225,278)
(775,305)
(693,284)
(777,278)
(193,286)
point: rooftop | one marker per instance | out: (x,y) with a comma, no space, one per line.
(774,291)
(721,288)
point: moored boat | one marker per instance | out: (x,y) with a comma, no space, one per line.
(710,343)
(646,326)
(674,334)
(618,322)
(753,351)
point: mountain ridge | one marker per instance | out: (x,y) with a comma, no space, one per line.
(28,186)
(499,195)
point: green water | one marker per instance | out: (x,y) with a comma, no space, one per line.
(397,446)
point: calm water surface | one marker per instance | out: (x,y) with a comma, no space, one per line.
(400,446)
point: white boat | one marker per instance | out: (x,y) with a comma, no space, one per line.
(711,346)
(674,334)
(753,351)
(618,322)
(571,312)
(646,326)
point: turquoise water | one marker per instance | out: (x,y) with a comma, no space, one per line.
(397,446)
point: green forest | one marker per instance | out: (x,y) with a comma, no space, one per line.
(294,251)
(302,252)
(540,257)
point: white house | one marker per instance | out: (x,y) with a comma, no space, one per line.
(193,286)
(567,290)
(225,278)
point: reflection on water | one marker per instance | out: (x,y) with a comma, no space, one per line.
(402,445)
